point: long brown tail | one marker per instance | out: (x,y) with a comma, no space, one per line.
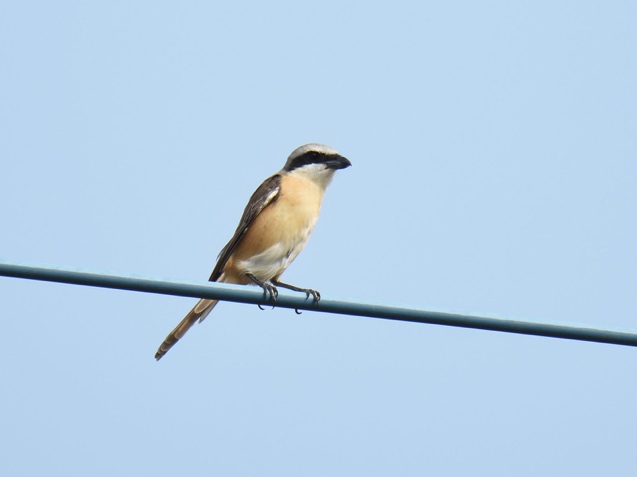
(199,312)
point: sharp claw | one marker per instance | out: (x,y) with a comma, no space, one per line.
(296,310)
(268,289)
(272,292)
(316,296)
(260,307)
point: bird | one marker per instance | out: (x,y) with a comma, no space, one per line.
(274,228)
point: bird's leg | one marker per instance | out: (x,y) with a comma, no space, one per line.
(316,296)
(268,289)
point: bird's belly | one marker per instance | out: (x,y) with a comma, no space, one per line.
(278,233)
(273,260)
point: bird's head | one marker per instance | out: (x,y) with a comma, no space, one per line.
(316,162)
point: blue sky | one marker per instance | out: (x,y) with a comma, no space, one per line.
(494,168)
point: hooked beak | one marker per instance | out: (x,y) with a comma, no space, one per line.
(338,162)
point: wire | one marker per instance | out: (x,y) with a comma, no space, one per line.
(243,294)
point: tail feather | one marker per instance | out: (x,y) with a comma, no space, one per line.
(199,312)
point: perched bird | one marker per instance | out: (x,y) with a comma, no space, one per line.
(274,228)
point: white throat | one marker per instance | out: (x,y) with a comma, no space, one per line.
(319,174)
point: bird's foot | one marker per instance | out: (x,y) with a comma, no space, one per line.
(316,296)
(269,291)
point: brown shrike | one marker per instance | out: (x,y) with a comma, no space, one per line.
(274,228)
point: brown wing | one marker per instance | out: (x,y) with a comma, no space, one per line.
(266,193)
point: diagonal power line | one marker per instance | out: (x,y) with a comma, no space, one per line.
(253,295)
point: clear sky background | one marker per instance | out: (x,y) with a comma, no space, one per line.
(494,151)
